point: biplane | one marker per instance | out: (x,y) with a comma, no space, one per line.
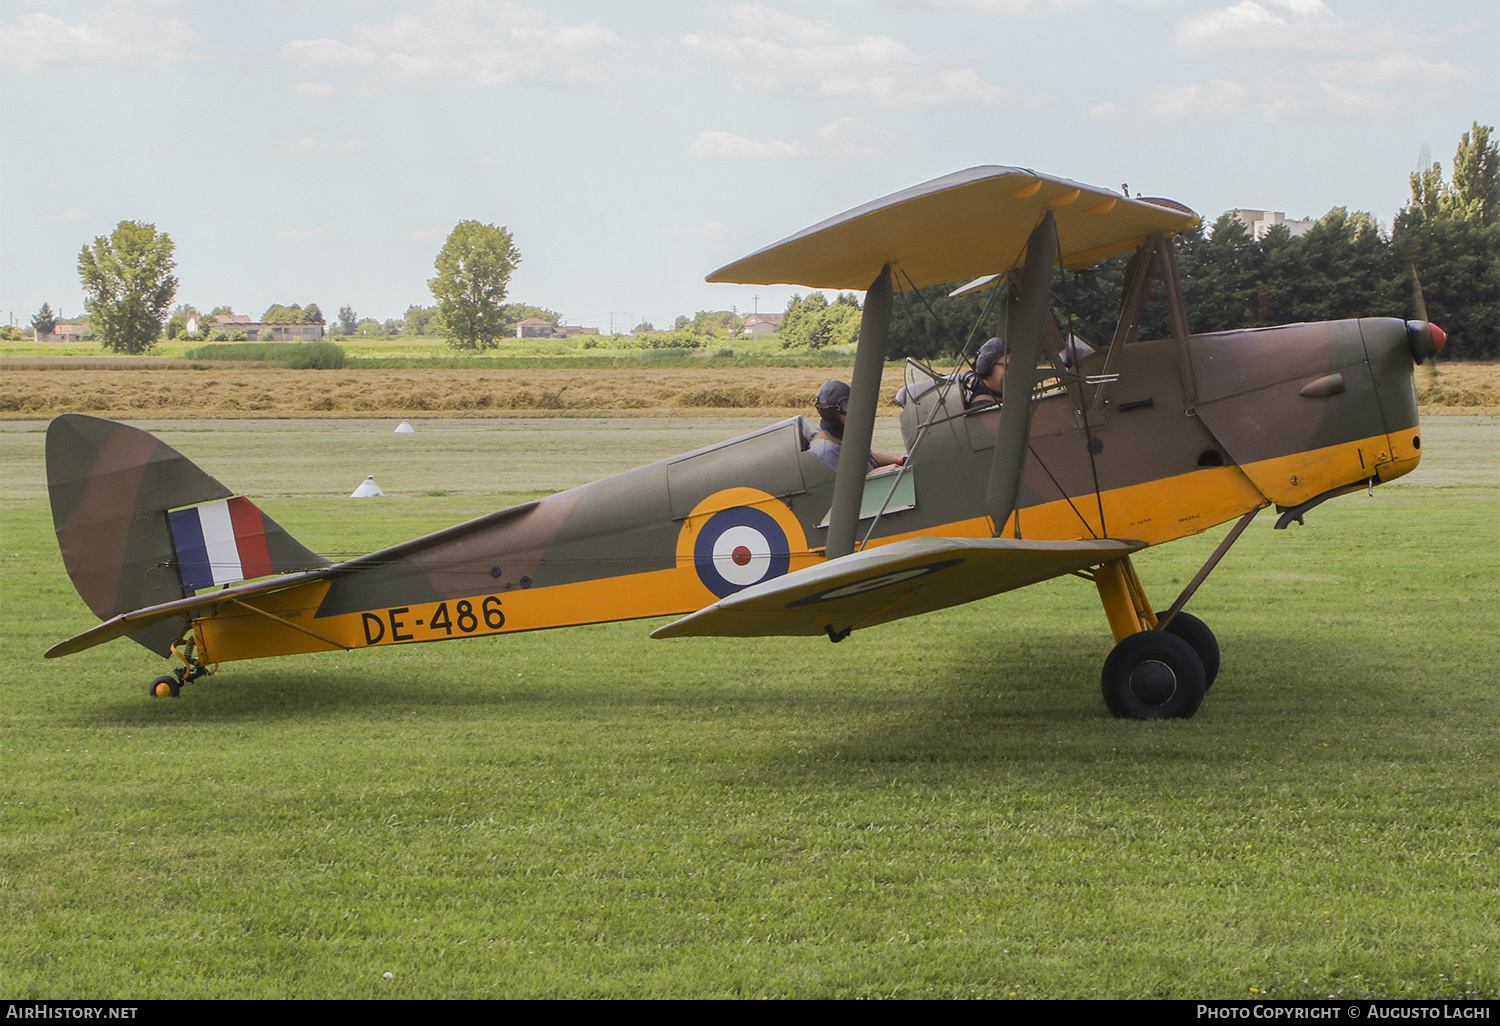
(1093,454)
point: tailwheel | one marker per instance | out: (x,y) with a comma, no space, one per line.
(165,686)
(1196,633)
(1153,675)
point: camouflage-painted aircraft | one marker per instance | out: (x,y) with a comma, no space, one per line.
(1118,448)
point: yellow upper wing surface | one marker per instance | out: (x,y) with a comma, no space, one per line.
(962,225)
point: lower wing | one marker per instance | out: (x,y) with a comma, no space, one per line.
(891,582)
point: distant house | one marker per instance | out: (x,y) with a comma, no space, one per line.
(281,331)
(1261,221)
(64,333)
(762,323)
(535,327)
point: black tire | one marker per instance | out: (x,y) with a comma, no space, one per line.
(173,686)
(1153,675)
(1196,633)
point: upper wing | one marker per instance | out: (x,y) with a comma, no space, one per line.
(890,582)
(959,226)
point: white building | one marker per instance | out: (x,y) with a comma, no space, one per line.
(1261,221)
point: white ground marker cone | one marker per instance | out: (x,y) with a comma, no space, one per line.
(405,428)
(366,489)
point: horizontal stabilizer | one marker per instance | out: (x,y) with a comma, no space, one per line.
(185,609)
(891,582)
(182,609)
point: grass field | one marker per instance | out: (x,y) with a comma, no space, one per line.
(939,807)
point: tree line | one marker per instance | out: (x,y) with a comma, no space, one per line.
(1443,252)
(129,285)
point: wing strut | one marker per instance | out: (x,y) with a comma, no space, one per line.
(864,396)
(1025,337)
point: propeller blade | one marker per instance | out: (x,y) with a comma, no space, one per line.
(1425,349)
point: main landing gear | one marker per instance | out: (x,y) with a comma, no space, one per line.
(1159,668)
(169,685)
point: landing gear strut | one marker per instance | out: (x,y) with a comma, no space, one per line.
(1160,667)
(169,685)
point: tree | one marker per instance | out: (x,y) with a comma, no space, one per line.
(44,321)
(1449,236)
(1476,177)
(348,320)
(473,270)
(814,322)
(128,285)
(716,323)
(421,320)
(182,313)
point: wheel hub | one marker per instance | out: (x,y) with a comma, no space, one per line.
(1153,682)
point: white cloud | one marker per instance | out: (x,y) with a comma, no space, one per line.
(113,35)
(71,215)
(301,233)
(772,52)
(306,145)
(715,142)
(1286,59)
(328,55)
(1252,24)
(760,20)
(465,44)
(711,229)
(307,90)
(1014,6)
(1179,102)
(846,137)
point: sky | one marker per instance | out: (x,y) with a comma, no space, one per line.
(321,152)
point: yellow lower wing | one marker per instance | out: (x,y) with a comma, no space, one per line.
(891,582)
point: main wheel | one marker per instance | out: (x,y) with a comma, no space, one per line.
(166,686)
(1196,633)
(1153,675)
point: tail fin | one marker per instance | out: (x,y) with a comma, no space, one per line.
(112,486)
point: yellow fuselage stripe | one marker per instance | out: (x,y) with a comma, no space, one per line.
(1153,512)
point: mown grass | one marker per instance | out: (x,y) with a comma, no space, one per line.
(940,807)
(291,355)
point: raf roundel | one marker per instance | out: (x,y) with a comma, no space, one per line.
(739,547)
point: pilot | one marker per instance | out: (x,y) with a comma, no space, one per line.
(833,410)
(988,382)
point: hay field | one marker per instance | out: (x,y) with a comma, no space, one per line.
(131,390)
(238,391)
(1470,387)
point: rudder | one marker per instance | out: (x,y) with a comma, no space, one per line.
(111,487)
